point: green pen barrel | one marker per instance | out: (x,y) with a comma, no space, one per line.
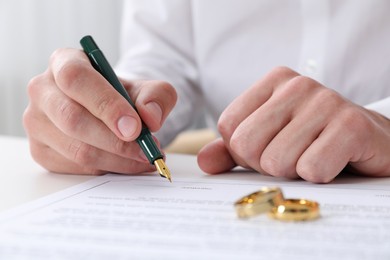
(100,63)
(148,146)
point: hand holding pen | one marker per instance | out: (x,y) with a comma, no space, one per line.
(78,123)
(145,139)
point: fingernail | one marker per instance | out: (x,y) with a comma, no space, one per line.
(155,110)
(127,125)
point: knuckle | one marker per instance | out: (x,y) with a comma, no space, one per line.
(170,92)
(355,119)
(120,147)
(296,87)
(32,121)
(160,87)
(225,126)
(108,104)
(166,88)
(70,74)
(279,74)
(327,101)
(82,154)
(299,81)
(241,145)
(105,103)
(71,115)
(56,54)
(328,98)
(299,85)
(271,164)
(352,118)
(27,119)
(34,86)
(281,71)
(237,145)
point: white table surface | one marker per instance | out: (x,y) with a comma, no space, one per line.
(22,179)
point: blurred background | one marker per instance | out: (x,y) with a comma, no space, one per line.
(31,30)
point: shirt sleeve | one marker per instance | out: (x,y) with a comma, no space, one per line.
(157,43)
(382,106)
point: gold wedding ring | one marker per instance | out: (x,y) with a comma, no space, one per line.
(271,200)
(259,202)
(295,210)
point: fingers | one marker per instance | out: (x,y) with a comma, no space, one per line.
(284,127)
(215,158)
(325,158)
(154,101)
(254,119)
(75,121)
(281,154)
(251,100)
(55,162)
(86,160)
(75,76)
(76,118)
(296,127)
(243,107)
(61,153)
(354,136)
(77,79)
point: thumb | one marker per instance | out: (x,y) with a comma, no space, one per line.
(215,158)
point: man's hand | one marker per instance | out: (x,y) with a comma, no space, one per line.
(77,122)
(289,125)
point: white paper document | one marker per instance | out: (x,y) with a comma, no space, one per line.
(134,217)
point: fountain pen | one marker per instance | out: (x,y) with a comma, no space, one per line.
(145,139)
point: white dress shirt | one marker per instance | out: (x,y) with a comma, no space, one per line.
(211,51)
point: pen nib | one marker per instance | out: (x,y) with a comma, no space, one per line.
(162,169)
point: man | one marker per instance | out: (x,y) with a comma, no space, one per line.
(287,82)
